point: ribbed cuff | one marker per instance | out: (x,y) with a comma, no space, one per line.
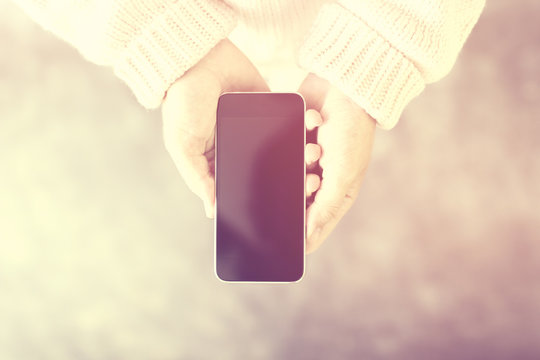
(342,49)
(172,42)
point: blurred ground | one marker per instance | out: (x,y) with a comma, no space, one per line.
(105,254)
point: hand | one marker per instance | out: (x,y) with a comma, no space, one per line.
(189,114)
(345,135)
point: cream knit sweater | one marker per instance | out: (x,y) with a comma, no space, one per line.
(381,53)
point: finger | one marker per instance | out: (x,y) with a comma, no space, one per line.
(314,90)
(325,213)
(313,119)
(199,181)
(196,172)
(313,181)
(312,153)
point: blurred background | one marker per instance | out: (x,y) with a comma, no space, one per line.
(105,253)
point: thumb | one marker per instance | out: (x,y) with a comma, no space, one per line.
(328,208)
(196,172)
(324,213)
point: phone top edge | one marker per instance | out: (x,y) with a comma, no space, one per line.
(263,92)
(240,104)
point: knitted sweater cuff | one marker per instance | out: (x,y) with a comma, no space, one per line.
(342,49)
(171,43)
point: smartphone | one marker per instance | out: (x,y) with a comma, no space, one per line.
(260,177)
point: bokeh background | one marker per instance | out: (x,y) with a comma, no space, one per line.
(105,254)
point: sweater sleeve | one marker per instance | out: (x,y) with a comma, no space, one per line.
(381,53)
(148,43)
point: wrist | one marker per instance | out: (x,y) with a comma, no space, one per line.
(320,94)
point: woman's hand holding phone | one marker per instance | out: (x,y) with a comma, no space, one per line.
(345,135)
(189,114)
(344,138)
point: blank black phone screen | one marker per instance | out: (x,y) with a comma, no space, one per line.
(260,202)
